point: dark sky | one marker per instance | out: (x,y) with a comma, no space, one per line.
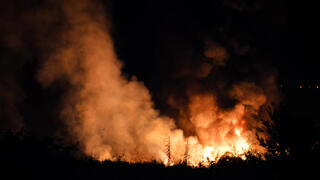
(161,40)
(146,32)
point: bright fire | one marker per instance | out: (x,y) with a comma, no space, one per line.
(112,117)
(235,144)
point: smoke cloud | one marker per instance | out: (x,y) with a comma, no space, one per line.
(112,117)
(109,115)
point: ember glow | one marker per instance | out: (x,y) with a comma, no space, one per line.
(114,118)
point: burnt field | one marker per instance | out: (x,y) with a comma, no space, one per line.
(23,156)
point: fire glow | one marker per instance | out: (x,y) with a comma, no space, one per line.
(232,145)
(112,118)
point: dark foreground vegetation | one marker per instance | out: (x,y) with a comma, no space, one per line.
(24,158)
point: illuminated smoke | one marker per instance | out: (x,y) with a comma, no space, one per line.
(112,117)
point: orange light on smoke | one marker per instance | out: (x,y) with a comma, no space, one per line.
(115,117)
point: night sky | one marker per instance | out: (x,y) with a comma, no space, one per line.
(286,42)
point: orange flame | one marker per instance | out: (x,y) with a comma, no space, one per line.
(114,117)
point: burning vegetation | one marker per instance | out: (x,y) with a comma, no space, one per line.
(112,117)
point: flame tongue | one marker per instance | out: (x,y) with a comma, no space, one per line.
(207,154)
(237,131)
(231,139)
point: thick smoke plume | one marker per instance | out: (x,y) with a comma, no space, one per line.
(109,115)
(112,117)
